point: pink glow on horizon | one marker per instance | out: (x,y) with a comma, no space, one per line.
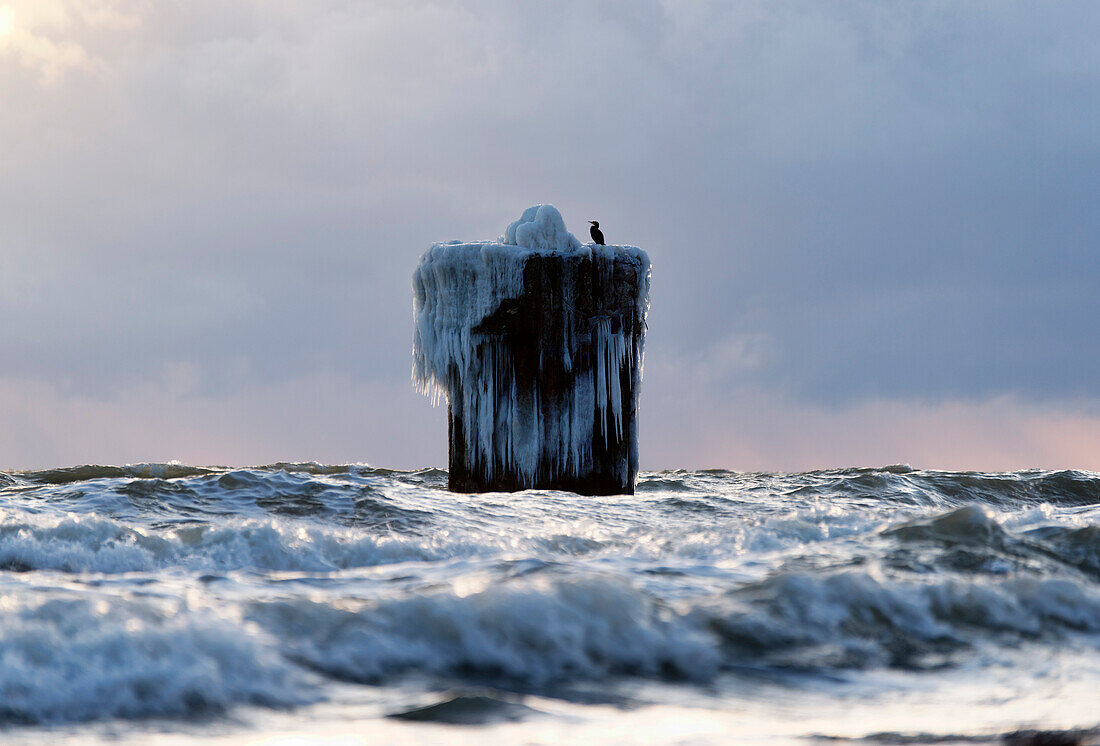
(769,434)
(336,420)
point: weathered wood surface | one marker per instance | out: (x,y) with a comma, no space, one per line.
(536,328)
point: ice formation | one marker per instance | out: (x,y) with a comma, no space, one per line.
(541,227)
(536,343)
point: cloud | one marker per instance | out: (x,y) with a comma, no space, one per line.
(762,431)
(333,419)
(845,202)
(326,418)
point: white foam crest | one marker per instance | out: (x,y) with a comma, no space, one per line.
(862,618)
(76,659)
(76,543)
(537,632)
(81,543)
(543,630)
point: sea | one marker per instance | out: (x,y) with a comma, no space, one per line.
(352,604)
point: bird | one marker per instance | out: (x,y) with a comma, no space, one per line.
(597,234)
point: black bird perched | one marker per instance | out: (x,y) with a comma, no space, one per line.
(597,234)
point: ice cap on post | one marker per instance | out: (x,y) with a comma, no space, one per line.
(541,227)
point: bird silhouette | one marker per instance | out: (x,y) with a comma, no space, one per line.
(597,234)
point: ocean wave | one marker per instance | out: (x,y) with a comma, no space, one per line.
(971,539)
(534,632)
(175,470)
(79,659)
(338,496)
(1078,547)
(660,483)
(371,529)
(87,472)
(89,544)
(970,524)
(94,655)
(1066,487)
(905,486)
(265,585)
(526,632)
(861,619)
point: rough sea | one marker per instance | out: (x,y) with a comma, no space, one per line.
(163,603)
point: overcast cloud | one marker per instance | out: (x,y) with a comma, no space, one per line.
(873,225)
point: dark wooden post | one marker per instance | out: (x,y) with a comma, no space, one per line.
(536,328)
(537,349)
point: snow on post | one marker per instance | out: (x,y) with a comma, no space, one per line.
(535,341)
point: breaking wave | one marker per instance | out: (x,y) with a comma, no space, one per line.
(175,591)
(76,659)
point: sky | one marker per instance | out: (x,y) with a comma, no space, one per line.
(873,225)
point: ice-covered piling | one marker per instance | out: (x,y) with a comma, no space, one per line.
(536,342)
